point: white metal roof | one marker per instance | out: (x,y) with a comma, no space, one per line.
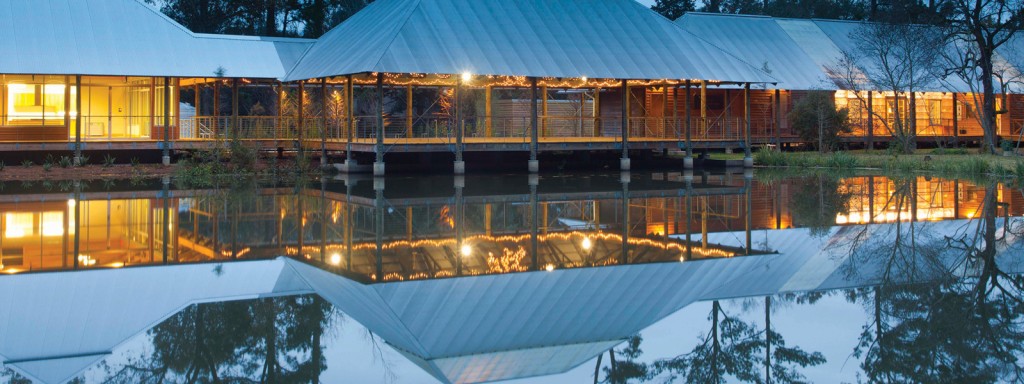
(761,41)
(128,38)
(618,39)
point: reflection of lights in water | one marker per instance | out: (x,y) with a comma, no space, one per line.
(682,258)
(586,244)
(466,250)
(335,259)
(86,260)
(549,267)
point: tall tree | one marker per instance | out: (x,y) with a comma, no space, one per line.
(673,9)
(984,26)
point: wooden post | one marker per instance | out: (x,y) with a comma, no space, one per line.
(533,163)
(704,106)
(280,112)
(349,119)
(196,102)
(544,110)
(624,161)
(664,110)
(216,107)
(408,111)
(597,112)
(301,119)
(323,123)
(488,121)
(871,121)
(956,124)
(78,135)
(746,118)
(67,104)
(460,128)
(675,112)
(235,129)
(778,119)
(167,127)
(378,149)
(688,127)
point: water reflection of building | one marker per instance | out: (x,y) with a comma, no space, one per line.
(478,327)
(435,229)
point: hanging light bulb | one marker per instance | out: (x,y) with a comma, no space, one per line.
(466,77)
(586,244)
(466,250)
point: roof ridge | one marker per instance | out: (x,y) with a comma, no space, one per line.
(398,31)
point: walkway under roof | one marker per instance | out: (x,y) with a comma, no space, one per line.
(128,38)
(610,39)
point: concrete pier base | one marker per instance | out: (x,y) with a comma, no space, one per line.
(688,162)
(533,166)
(533,179)
(378,183)
(728,150)
(624,164)
(166,160)
(460,167)
(748,162)
(460,181)
(378,168)
(351,166)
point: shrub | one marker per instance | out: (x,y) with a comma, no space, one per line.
(135,162)
(65,162)
(82,161)
(817,120)
(27,163)
(1006,145)
(841,160)
(770,157)
(108,161)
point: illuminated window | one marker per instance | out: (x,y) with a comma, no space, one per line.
(934,112)
(18,225)
(52,223)
(36,104)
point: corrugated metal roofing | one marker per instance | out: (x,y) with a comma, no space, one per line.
(761,41)
(127,38)
(618,39)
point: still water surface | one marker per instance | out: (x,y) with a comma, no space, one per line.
(632,277)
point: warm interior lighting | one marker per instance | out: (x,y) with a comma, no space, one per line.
(586,244)
(86,260)
(549,267)
(583,79)
(17,225)
(52,223)
(466,250)
(36,101)
(466,77)
(335,258)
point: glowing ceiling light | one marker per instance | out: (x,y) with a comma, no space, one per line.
(586,244)
(549,267)
(466,250)
(466,76)
(584,79)
(335,259)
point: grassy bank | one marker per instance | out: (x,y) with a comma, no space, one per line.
(957,163)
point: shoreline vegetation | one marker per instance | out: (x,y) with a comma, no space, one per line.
(953,163)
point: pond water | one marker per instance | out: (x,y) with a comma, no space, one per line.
(634,277)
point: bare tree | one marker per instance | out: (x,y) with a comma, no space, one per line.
(897,58)
(985,25)
(961,58)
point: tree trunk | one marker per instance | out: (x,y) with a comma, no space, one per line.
(988,114)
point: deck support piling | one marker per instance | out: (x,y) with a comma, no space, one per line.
(748,160)
(688,160)
(78,129)
(166,158)
(460,130)
(378,149)
(533,165)
(624,161)
(871,121)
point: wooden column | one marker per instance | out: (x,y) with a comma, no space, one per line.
(349,119)
(167,128)
(664,110)
(533,164)
(544,110)
(216,107)
(704,106)
(408,111)
(778,119)
(196,102)
(625,121)
(323,123)
(871,121)
(597,112)
(688,127)
(460,128)
(956,123)
(235,128)
(675,112)
(67,103)
(378,149)
(488,120)
(78,135)
(746,120)
(280,112)
(301,119)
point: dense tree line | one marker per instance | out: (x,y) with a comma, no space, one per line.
(897,11)
(293,18)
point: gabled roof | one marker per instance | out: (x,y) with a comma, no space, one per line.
(128,38)
(761,41)
(618,39)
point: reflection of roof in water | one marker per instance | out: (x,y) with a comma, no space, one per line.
(476,328)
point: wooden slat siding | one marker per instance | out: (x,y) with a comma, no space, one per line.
(969,125)
(34,133)
(611,112)
(1016,112)
(517,113)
